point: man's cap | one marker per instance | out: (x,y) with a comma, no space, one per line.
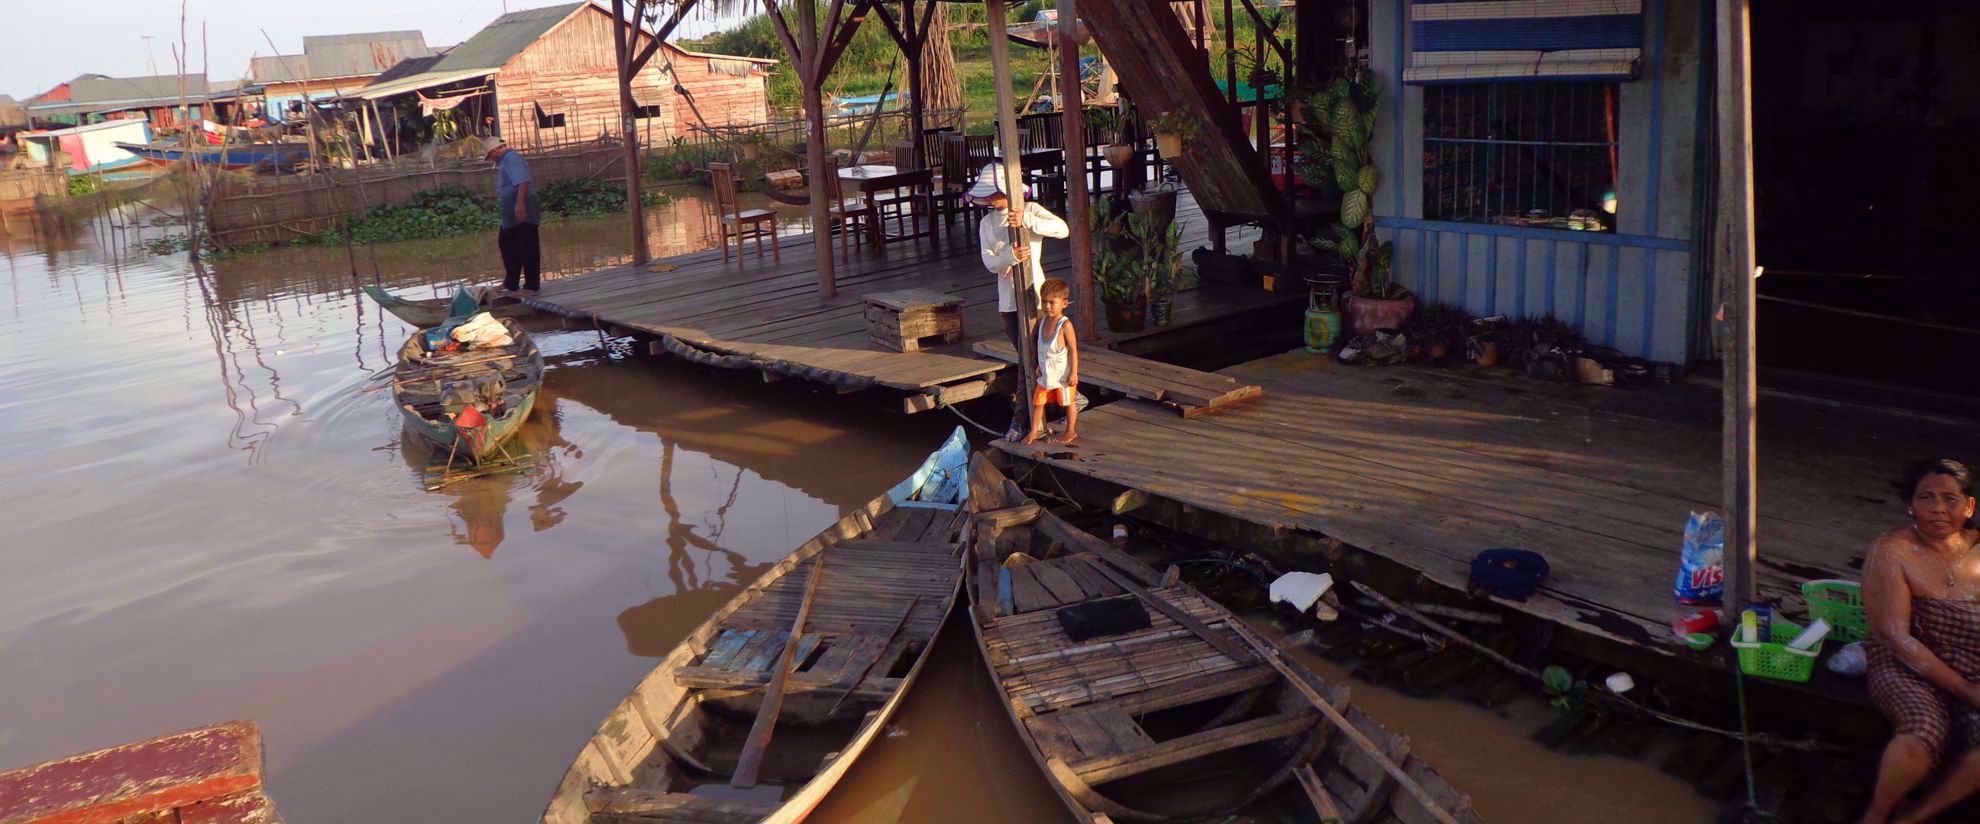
(989,181)
(490,144)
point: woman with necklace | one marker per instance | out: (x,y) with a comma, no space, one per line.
(1921,587)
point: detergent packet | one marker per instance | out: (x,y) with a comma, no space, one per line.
(1701,577)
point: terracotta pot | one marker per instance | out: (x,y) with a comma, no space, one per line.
(1170,145)
(752,151)
(1368,314)
(1488,353)
(1126,317)
(1118,155)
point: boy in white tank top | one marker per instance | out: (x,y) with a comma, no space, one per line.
(1058,362)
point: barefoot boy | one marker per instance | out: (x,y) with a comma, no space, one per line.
(1058,362)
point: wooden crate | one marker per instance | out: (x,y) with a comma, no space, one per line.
(910,320)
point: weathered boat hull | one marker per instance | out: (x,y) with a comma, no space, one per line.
(662,736)
(231,158)
(444,435)
(431,312)
(418,388)
(1127,721)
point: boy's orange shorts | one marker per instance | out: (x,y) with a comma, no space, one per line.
(1062,396)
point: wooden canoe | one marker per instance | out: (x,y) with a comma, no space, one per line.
(424,312)
(891,571)
(428,388)
(1184,715)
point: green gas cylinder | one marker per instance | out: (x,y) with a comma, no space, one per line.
(1323,321)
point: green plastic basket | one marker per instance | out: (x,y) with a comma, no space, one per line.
(1840,603)
(1772,658)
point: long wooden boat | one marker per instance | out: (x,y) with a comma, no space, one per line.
(1141,699)
(432,388)
(864,599)
(265,156)
(424,312)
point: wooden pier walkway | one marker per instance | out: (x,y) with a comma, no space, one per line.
(766,314)
(1427,467)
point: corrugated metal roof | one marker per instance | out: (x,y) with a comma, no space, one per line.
(109,94)
(361,54)
(281,68)
(407,68)
(504,38)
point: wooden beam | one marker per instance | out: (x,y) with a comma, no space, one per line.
(1231,649)
(624,36)
(1736,314)
(749,765)
(901,37)
(1323,802)
(816,162)
(841,36)
(819,67)
(1271,655)
(681,8)
(895,633)
(1072,108)
(1190,747)
(783,30)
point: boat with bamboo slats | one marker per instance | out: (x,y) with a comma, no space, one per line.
(423,312)
(1142,699)
(760,711)
(434,389)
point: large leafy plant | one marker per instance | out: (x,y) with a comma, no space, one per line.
(1116,269)
(1160,251)
(1341,129)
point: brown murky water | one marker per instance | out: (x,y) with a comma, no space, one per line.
(208,518)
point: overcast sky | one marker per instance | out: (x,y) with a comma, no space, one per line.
(49,42)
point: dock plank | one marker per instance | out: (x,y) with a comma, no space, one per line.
(771,310)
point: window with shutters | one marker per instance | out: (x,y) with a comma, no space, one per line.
(1523,153)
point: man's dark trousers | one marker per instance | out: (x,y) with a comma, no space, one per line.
(522,256)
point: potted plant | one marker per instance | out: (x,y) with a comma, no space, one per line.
(1173,132)
(1345,114)
(751,144)
(1105,123)
(1117,268)
(1161,262)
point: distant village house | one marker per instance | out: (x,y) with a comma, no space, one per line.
(167,101)
(331,66)
(549,76)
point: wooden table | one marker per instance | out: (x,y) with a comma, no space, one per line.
(873,178)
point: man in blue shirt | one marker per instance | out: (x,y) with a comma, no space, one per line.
(522,212)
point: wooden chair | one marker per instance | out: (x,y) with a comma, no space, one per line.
(851,217)
(953,177)
(742,223)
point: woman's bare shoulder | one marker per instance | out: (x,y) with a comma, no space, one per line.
(1889,548)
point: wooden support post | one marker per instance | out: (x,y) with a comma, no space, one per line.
(1007,139)
(625,37)
(1078,201)
(812,78)
(1736,313)
(749,764)
(917,36)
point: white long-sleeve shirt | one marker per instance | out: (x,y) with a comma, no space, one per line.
(995,237)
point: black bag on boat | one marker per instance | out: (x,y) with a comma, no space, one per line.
(1110,616)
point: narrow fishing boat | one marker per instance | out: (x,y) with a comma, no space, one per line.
(425,312)
(760,711)
(255,156)
(467,401)
(1142,699)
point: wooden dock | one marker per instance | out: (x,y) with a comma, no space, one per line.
(1427,467)
(764,314)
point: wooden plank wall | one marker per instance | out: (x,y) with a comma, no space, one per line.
(572,71)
